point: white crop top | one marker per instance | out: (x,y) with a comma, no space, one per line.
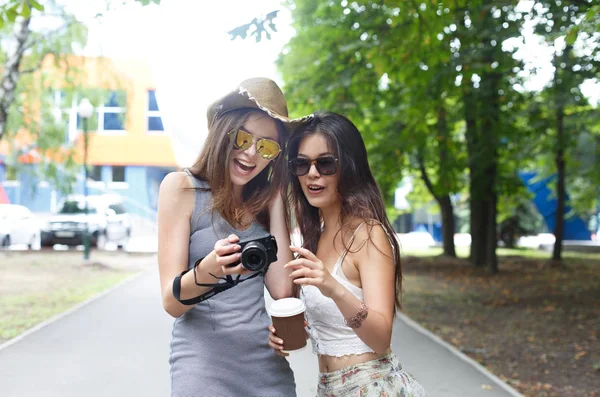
(328,333)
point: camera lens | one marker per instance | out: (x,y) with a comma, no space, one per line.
(254,260)
(254,257)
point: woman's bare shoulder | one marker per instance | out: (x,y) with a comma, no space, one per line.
(176,180)
(176,193)
(372,236)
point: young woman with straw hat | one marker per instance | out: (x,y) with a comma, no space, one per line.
(231,194)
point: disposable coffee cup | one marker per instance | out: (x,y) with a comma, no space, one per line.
(288,319)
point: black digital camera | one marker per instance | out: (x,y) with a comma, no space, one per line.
(258,254)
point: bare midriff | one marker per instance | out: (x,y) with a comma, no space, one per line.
(332,363)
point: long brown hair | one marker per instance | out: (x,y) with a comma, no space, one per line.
(212,166)
(360,195)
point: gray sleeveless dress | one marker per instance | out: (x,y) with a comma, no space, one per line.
(220,346)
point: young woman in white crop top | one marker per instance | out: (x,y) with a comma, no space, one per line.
(349,265)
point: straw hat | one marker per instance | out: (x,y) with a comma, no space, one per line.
(260,93)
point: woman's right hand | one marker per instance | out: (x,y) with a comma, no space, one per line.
(225,253)
(275,342)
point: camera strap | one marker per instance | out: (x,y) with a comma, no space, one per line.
(226,282)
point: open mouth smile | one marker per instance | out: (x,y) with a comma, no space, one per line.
(244,166)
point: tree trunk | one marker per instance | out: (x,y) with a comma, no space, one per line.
(559,159)
(476,158)
(490,124)
(492,128)
(441,191)
(10,74)
(478,223)
(446,209)
(477,218)
(446,182)
(491,236)
(447,225)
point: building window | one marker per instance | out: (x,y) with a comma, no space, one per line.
(95,173)
(109,116)
(154,118)
(65,113)
(118,173)
(112,112)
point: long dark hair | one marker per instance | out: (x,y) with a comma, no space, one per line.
(212,166)
(360,195)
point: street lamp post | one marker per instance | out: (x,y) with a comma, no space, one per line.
(85,111)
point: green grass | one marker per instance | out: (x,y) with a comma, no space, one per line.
(36,286)
(463,252)
(21,312)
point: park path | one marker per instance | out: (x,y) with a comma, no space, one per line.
(118,345)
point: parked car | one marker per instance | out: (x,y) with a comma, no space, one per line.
(107,221)
(18,226)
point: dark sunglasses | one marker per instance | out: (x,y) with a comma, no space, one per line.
(326,165)
(266,148)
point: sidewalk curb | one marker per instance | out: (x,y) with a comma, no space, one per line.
(73,309)
(499,382)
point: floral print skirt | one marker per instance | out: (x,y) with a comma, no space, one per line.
(383,377)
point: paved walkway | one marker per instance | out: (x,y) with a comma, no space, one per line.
(118,345)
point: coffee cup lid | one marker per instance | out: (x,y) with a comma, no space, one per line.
(286,307)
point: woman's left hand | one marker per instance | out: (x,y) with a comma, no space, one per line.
(309,270)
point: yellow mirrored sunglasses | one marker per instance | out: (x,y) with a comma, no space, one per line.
(266,148)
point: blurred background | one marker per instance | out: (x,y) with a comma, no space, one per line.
(481,121)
